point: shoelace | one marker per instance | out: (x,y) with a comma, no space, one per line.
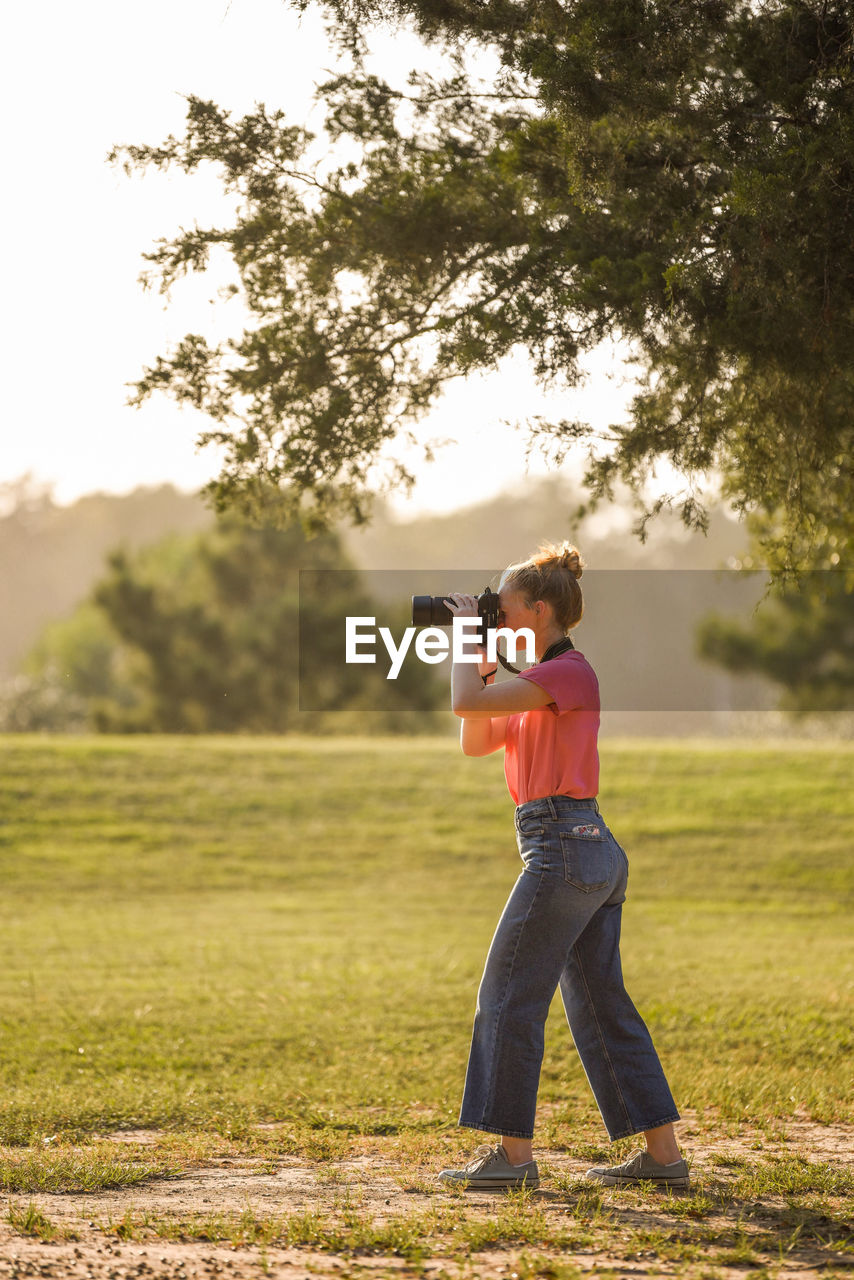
(481,1158)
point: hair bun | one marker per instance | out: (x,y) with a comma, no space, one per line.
(571,559)
(565,555)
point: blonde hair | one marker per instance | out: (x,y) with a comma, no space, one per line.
(551,574)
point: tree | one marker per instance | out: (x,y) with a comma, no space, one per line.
(76,670)
(803,639)
(203,633)
(673,173)
(801,636)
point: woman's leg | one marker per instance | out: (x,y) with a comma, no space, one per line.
(612,1040)
(543,917)
(662,1145)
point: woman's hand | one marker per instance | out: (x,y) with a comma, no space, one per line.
(470,700)
(463,606)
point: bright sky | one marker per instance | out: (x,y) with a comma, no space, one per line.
(80,78)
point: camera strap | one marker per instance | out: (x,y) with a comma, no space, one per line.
(553,651)
(556,649)
(508,666)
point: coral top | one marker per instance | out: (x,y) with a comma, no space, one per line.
(551,750)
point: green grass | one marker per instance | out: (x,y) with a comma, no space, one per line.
(202,933)
(28,1220)
(94,1168)
(206,934)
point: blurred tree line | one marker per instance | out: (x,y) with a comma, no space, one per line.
(802,639)
(201,633)
(802,636)
(51,555)
(199,630)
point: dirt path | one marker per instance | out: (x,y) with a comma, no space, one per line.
(378,1189)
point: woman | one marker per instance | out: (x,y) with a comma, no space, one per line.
(561,924)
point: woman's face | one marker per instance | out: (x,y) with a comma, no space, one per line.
(514,611)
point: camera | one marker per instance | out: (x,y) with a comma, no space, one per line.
(433,611)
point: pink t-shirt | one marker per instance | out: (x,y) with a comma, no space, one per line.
(551,750)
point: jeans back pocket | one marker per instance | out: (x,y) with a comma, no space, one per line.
(588,857)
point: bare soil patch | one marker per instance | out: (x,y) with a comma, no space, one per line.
(381,1189)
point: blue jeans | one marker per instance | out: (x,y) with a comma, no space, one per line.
(561,927)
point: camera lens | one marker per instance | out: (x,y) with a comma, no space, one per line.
(431,611)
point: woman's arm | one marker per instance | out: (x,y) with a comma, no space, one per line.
(484,710)
(474,702)
(482,737)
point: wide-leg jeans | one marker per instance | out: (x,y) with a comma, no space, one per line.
(561,927)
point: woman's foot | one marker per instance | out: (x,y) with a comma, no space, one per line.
(642,1168)
(519,1150)
(661,1144)
(491,1170)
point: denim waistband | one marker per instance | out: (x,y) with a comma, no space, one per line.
(555,805)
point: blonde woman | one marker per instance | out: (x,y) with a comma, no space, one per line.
(561,925)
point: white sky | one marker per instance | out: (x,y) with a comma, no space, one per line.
(77,327)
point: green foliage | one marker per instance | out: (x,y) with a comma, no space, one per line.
(803,639)
(202,633)
(674,174)
(77,669)
(802,635)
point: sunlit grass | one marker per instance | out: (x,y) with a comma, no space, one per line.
(92,1168)
(203,933)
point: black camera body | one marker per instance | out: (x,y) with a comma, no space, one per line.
(433,611)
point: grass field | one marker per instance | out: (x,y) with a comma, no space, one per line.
(272,948)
